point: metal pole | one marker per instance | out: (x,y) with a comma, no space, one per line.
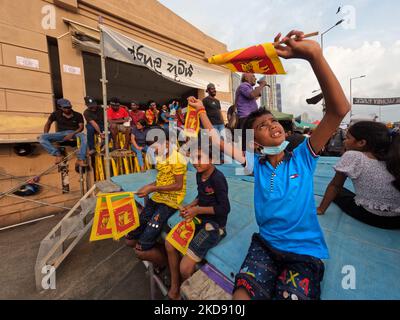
(351,101)
(104,89)
(322,43)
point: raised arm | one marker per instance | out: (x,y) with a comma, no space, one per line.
(336,102)
(227,147)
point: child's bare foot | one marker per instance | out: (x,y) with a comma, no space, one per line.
(174,294)
(59,159)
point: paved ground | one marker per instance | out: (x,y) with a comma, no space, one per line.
(100,270)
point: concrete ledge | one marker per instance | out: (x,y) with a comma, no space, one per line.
(70,5)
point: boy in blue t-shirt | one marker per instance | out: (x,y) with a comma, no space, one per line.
(284,258)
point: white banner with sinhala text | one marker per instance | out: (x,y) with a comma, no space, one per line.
(120,47)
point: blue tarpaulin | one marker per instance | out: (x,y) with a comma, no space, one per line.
(372,253)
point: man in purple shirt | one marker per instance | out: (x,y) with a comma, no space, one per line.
(246,98)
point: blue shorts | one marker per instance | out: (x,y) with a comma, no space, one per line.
(207,235)
(268,273)
(153,219)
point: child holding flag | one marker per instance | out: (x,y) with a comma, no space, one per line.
(284,258)
(211,206)
(168,191)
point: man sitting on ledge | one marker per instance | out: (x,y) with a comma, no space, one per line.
(69,128)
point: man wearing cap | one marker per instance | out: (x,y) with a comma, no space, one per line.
(118,118)
(69,127)
(94,117)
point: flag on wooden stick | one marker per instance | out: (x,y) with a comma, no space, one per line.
(261,59)
(192,123)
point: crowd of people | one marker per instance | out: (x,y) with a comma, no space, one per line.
(284,260)
(131,123)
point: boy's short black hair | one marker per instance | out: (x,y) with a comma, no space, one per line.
(142,122)
(114,101)
(249,123)
(287,125)
(211,150)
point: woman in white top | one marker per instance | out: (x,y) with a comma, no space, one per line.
(372,162)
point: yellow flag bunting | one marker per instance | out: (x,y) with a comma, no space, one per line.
(261,59)
(115,216)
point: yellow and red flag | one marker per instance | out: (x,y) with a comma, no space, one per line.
(192,123)
(102,224)
(116,215)
(181,235)
(123,213)
(262,59)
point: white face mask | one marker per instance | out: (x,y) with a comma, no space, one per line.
(272,151)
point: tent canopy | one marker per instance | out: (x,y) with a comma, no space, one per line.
(280,116)
(303,125)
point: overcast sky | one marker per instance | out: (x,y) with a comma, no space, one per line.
(367,44)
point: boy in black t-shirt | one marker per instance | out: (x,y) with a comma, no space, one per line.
(212,208)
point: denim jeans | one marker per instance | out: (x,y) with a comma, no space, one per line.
(153,219)
(46,141)
(220,128)
(91,132)
(139,154)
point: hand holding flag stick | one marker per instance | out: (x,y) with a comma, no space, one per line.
(308,35)
(294,45)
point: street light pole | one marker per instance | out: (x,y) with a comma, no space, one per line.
(323,33)
(322,48)
(351,94)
